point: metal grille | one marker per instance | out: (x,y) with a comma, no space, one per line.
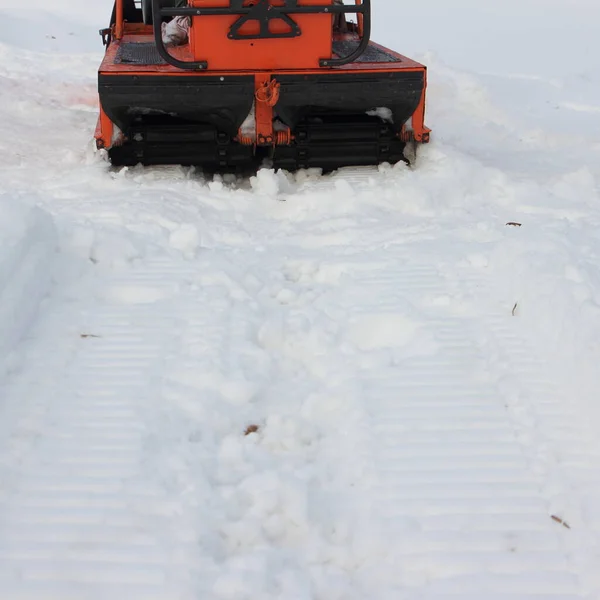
(145,53)
(138,53)
(371,55)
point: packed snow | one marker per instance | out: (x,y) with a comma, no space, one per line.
(27,247)
(376,384)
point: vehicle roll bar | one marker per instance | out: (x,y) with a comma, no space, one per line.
(263,12)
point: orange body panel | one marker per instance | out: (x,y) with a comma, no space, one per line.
(143,33)
(209,41)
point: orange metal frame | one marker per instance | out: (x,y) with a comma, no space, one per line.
(262,58)
(209,41)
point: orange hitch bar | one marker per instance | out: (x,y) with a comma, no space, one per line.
(267,96)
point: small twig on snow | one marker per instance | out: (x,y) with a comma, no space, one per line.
(251,429)
(559,520)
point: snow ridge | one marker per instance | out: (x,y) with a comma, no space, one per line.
(27,249)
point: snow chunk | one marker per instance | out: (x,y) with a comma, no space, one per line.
(385,114)
(265,182)
(270,183)
(114,250)
(185,238)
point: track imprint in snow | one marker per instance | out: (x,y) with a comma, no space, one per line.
(133,293)
(370,332)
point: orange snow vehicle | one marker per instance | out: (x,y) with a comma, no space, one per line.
(292,81)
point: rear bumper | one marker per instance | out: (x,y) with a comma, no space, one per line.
(225,101)
(350,92)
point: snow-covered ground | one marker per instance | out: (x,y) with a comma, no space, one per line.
(28,246)
(353,387)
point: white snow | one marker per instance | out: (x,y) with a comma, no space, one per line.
(385,114)
(27,249)
(359,386)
